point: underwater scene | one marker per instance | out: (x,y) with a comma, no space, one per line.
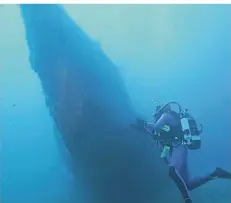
(115,103)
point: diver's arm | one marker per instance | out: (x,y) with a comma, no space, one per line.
(163,120)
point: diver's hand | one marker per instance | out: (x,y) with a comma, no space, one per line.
(140,122)
(148,127)
(139,125)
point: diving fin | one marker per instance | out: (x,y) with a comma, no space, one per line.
(221,173)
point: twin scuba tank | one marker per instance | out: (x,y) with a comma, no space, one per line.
(190,132)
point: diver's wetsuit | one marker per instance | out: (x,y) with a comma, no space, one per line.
(178,166)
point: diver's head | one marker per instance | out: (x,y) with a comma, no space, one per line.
(167,108)
(161,109)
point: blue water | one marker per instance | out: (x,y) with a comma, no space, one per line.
(178,52)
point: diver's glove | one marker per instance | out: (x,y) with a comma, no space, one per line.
(149,128)
(139,125)
(141,122)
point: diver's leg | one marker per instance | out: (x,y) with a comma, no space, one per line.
(199,181)
(178,170)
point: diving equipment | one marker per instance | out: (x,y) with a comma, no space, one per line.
(190,132)
(165,152)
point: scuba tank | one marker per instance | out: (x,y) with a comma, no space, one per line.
(190,132)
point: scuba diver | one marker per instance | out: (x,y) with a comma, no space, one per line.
(175,134)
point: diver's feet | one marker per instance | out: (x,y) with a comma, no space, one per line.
(188,200)
(221,173)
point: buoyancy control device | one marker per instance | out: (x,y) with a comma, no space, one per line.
(190,135)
